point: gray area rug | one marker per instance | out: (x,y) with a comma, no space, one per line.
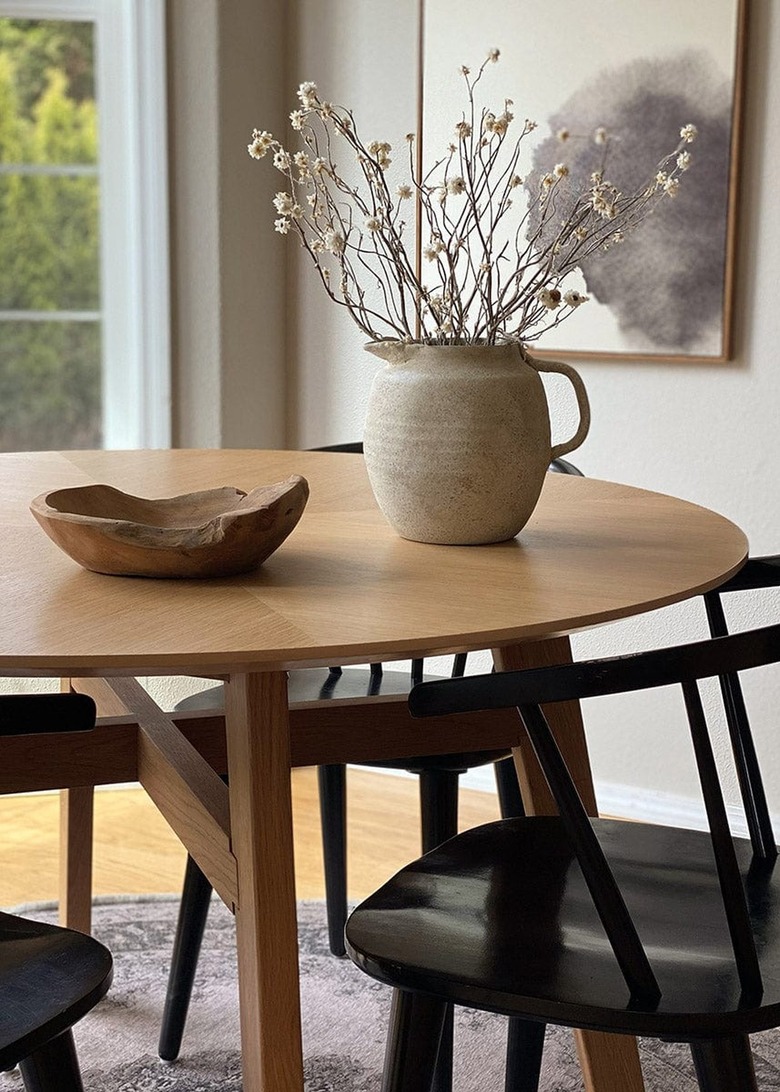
(344,1016)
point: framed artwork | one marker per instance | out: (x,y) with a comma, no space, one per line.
(639,72)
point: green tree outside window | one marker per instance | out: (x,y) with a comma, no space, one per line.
(49,236)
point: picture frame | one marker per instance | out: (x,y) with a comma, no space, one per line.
(640,71)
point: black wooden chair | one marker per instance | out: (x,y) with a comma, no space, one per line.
(596,924)
(438,781)
(49,977)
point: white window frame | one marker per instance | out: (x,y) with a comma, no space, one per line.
(130,84)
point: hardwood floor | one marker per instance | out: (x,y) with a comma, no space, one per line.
(136,852)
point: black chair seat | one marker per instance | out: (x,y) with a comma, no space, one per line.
(320,685)
(50,978)
(506,923)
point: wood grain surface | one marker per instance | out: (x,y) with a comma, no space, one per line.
(344,587)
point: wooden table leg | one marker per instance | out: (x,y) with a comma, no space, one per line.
(76,815)
(610,1063)
(77,810)
(258,743)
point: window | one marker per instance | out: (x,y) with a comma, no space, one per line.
(84,341)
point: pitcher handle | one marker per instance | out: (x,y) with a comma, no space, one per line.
(582,402)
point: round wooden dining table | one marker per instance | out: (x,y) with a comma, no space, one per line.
(342,589)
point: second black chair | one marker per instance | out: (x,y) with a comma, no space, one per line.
(49,977)
(612,926)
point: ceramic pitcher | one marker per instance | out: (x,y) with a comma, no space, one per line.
(457,438)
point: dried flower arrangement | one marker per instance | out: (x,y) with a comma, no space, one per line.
(497,248)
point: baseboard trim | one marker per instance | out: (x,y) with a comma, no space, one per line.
(642,805)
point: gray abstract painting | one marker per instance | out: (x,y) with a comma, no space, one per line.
(665,282)
(639,72)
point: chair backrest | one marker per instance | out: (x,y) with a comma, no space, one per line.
(685,665)
(31,714)
(757,573)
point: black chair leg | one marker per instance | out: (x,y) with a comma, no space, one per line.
(193,911)
(438,807)
(524,1048)
(54,1067)
(416,1022)
(439,822)
(508,789)
(332,781)
(724,1065)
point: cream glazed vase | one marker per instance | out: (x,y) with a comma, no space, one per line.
(457,439)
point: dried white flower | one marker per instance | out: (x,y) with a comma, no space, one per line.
(549,298)
(515,181)
(297,118)
(602,205)
(498,125)
(493,55)
(282,160)
(465,70)
(373,224)
(456,185)
(261,142)
(284,203)
(574,299)
(404,191)
(282,225)
(463,129)
(684,161)
(333,241)
(307,93)
(379,149)
(672,186)
(560,170)
(434,248)
(689,133)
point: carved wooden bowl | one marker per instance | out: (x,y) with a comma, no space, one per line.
(218,532)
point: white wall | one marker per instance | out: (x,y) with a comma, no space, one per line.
(706,432)
(226,65)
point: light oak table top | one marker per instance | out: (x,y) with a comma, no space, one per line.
(343,587)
